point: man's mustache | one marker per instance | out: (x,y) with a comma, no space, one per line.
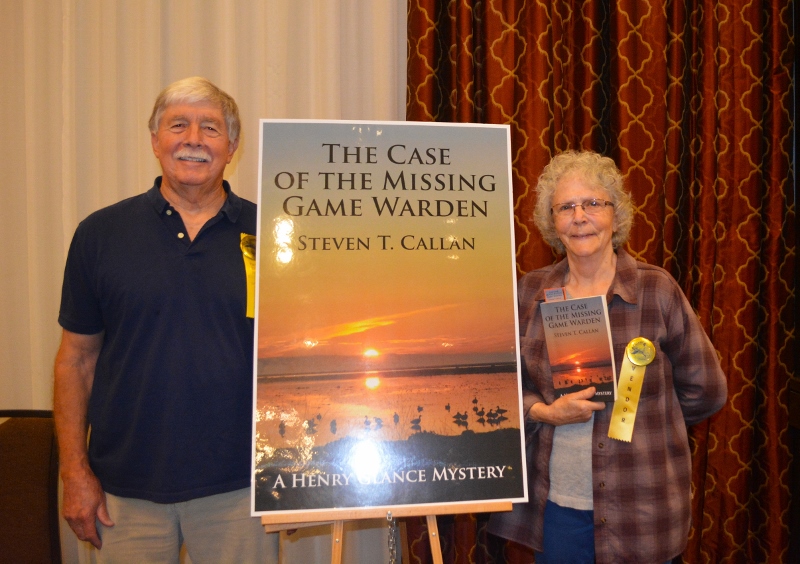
(192,155)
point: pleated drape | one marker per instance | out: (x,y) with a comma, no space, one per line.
(693,100)
(78,79)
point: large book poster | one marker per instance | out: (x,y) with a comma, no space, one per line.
(386,355)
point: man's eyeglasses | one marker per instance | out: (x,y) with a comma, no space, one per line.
(589,207)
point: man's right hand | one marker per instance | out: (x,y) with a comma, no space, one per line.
(84,505)
(84,499)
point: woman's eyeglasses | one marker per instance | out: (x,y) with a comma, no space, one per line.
(589,207)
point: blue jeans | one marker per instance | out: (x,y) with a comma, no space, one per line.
(568,536)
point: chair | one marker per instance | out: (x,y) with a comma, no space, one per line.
(29,519)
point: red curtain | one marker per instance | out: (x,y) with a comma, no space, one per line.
(693,100)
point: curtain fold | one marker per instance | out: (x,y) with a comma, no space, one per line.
(693,100)
(78,79)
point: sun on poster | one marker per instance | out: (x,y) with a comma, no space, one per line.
(386,354)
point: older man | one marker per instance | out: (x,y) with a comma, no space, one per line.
(155,362)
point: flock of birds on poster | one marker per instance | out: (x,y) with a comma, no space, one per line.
(493,417)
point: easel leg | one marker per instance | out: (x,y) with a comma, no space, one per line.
(336,542)
(433,535)
(405,547)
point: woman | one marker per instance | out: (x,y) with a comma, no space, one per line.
(593,498)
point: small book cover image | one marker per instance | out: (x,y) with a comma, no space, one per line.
(578,339)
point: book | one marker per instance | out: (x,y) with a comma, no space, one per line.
(578,337)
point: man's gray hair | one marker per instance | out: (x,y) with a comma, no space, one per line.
(594,169)
(194,90)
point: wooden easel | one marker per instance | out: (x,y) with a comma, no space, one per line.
(337,518)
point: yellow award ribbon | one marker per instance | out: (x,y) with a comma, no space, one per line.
(248,245)
(638,354)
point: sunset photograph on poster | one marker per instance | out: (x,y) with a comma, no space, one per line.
(386,361)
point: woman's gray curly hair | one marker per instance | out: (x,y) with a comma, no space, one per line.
(596,170)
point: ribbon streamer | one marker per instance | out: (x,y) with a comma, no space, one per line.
(248,245)
(638,354)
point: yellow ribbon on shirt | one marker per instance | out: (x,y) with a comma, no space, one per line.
(638,354)
(248,245)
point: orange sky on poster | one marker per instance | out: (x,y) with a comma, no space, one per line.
(409,283)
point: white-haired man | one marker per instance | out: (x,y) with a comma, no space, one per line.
(155,362)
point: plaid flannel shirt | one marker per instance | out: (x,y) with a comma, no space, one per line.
(641,489)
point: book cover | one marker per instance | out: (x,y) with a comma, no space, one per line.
(578,338)
(386,355)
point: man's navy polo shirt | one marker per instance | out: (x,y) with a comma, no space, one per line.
(171,403)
